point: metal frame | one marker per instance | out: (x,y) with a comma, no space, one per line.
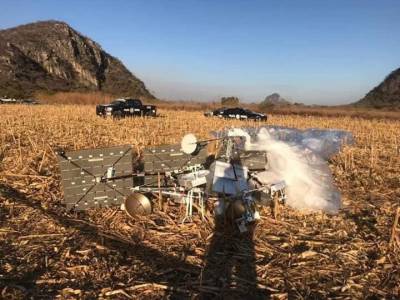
(103,177)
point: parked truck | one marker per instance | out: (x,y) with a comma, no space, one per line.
(126,107)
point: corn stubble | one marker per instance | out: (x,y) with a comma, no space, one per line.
(45,252)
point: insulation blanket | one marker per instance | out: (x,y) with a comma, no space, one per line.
(299,157)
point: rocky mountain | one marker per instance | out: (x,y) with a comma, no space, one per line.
(386,94)
(51,56)
(274,99)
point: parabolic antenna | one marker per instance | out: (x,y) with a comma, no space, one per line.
(137,204)
(189,143)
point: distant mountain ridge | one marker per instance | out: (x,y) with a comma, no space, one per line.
(52,56)
(386,94)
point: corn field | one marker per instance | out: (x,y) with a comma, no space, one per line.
(46,252)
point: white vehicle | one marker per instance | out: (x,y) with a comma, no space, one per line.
(8,101)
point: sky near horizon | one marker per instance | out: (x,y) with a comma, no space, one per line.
(315,52)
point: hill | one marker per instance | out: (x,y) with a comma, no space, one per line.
(51,56)
(386,94)
(274,99)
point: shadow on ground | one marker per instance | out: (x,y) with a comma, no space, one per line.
(229,266)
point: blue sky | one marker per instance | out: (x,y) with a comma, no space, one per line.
(321,52)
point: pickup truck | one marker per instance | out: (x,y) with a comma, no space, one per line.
(126,107)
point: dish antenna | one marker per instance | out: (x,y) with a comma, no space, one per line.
(137,204)
(189,144)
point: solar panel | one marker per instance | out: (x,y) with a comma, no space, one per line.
(169,158)
(83,174)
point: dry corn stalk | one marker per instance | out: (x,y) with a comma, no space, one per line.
(395,236)
(296,256)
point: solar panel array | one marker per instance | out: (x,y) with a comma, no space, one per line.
(82,172)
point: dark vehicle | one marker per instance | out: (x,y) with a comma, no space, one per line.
(236,113)
(127,107)
(29,102)
(216,112)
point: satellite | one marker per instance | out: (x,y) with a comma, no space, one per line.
(189,173)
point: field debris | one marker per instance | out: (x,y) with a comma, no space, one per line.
(46,252)
(395,237)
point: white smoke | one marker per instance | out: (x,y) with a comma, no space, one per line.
(298,161)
